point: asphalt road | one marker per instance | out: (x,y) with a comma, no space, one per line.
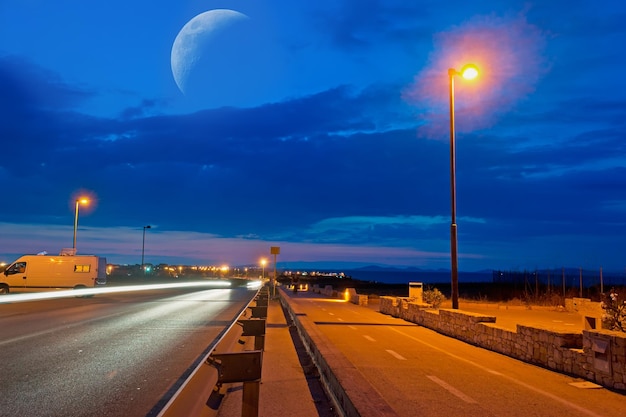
(110,355)
(422,373)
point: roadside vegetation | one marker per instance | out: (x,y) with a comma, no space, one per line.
(614,307)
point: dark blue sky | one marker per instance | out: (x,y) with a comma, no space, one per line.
(317,126)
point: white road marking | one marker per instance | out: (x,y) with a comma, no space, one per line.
(585,385)
(370,338)
(339,318)
(451,389)
(510,379)
(332,314)
(396,355)
(352,327)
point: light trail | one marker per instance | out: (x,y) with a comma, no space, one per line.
(254,285)
(83,292)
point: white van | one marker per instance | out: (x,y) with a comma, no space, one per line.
(31,273)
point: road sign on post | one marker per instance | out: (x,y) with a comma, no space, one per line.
(274,250)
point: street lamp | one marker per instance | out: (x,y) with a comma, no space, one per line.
(78,201)
(143,245)
(468,72)
(263,262)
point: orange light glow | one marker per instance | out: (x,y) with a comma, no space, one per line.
(86,199)
(469,72)
(510,55)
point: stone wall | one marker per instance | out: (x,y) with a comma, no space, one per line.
(596,355)
(328,291)
(590,310)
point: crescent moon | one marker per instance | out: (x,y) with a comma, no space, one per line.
(194,37)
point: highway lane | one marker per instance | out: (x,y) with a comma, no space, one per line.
(110,355)
(422,373)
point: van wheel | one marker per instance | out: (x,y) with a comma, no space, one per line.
(4,289)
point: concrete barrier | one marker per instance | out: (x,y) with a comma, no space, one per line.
(351,392)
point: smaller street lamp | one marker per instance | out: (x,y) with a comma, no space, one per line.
(143,246)
(82,200)
(263,263)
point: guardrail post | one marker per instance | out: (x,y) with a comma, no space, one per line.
(259,312)
(262,301)
(241,367)
(254,328)
(250,400)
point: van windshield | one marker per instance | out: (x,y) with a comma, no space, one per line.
(16,268)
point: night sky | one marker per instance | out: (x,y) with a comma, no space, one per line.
(318,126)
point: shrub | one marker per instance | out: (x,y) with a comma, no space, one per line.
(614,317)
(433,297)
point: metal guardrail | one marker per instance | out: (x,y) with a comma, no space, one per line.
(196,392)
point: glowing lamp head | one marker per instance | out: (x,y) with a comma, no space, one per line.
(469,71)
(82,201)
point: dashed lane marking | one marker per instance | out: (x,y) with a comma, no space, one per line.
(396,355)
(513,380)
(451,389)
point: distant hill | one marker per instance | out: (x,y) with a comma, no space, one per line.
(389,268)
(412,269)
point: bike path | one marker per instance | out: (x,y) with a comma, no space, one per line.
(374,362)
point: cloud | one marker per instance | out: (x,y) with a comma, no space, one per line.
(26,85)
(207,156)
(123,245)
(377,228)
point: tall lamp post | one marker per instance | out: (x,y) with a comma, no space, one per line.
(143,246)
(78,202)
(468,72)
